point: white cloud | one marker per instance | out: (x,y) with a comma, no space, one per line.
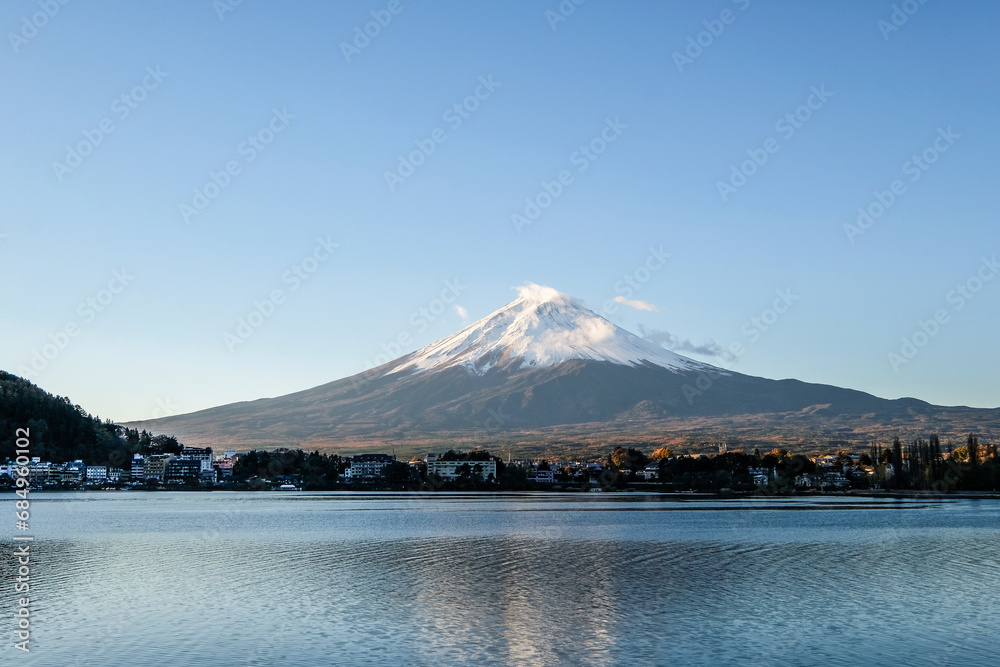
(635,303)
(540,294)
(709,348)
(462,312)
(587,333)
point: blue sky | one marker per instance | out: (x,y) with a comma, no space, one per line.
(127,202)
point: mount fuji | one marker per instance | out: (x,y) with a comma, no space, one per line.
(542,327)
(545,367)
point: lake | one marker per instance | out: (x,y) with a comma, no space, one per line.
(295,578)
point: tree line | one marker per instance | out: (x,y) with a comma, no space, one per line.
(920,465)
(62,431)
(923,465)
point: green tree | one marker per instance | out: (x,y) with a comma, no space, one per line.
(973,449)
(397,472)
(628,459)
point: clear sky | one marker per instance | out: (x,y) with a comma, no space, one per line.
(169,167)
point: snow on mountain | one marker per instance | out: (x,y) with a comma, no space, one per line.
(542,327)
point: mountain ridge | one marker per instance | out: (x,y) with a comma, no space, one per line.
(541,327)
(544,363)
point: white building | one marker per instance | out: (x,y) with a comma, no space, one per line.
(138,468)
(204,455)
(97,474)
(156,466)
(542,476)
(448,469)
(38,472)
(368,467)
(826,480)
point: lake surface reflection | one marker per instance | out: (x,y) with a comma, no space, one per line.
(133,578)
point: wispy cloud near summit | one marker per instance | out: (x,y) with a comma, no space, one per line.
(636,303)
(674,343)
(537,294)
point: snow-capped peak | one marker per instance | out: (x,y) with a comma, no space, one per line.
(542,327)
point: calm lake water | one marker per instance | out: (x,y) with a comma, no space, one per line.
(294,578)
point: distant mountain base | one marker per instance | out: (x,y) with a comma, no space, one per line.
(546,375)
(806,431)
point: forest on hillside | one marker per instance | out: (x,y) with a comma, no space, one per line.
(61,431)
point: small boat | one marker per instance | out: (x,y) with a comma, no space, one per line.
(288,487)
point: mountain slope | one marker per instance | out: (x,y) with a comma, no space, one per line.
(541,362)
(58,430)
(542,327)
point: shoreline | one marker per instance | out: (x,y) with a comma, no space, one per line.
(678,495)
